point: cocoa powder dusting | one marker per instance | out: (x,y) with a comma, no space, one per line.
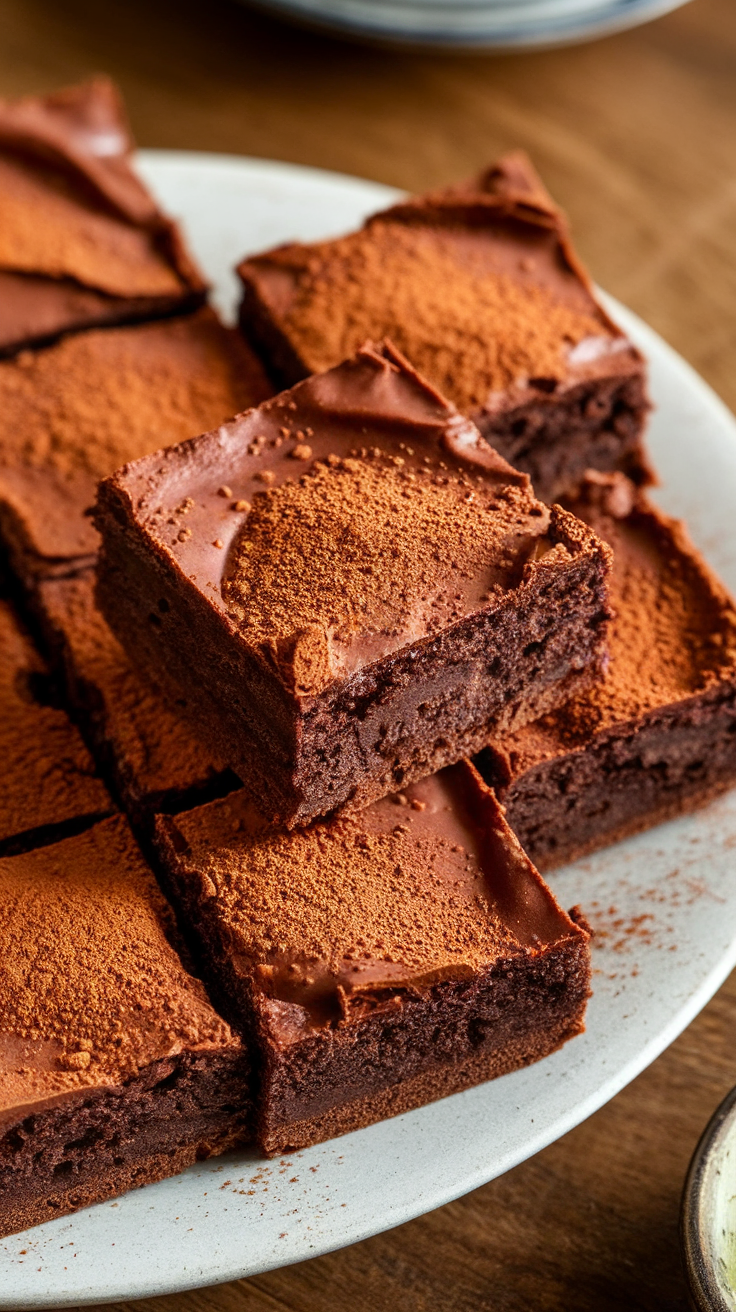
(90,988)
(412,900)
(669,638)
(364,554)
(468,330)
(674,632)
(99,399)
(47,226)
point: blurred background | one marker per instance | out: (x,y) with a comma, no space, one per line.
(635,136)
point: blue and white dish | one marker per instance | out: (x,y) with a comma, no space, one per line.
(473,24)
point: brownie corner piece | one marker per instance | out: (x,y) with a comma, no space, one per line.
(480,286)
(423,955)
(82,240)
(656,736)
(115,1069)
(351,587)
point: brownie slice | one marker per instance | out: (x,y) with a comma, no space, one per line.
(48,784)
(73,412)
(480,287)
(382,960)
(148,747)
(350,586)
(82,241)
(114,1068)
(657,737)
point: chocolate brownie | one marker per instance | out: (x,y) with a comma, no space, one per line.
(82,241)
(382,960)
(73,412)
(351,587)
(148,748)
(480,287)
(657,737)
(114,1068)
(48,784)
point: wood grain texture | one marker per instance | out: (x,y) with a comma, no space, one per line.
(635,136)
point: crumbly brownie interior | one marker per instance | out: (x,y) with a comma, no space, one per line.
(458,1035)
(557,433)
(178,1111)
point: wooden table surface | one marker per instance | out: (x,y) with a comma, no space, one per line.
(636,136)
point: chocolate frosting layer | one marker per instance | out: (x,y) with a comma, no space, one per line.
(34,308)
(335,920)
(154,383)
(477,284)
(83,132)
(91,990)
(81,238)
(353,515)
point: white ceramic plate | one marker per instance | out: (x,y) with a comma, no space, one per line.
(664,903)
(473,24)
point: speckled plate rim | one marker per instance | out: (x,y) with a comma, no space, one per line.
(664,903)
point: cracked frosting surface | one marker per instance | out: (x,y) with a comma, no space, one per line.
(71,206)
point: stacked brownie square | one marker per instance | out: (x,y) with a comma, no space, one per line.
(480,286)
(351,590)
(115,1068)
(73,410)
(282,635)
(350,587)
